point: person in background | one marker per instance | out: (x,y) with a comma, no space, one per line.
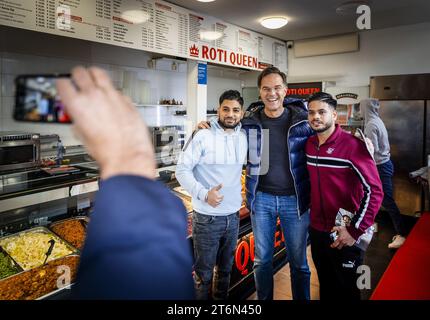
(210,168)
(136,246)
(345,188)
(375,130)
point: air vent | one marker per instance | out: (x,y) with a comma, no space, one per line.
(17,137)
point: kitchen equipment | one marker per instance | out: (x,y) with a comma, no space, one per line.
(405,111)
(19,150)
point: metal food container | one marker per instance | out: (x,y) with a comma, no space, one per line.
(73,230)
(10,266)
(40,282)
(22,257)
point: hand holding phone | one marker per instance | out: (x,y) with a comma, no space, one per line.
(36,99)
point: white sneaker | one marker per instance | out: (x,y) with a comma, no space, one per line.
(398,241)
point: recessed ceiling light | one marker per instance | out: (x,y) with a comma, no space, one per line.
(274,22)
(135,16)
(206,0)
(210,35)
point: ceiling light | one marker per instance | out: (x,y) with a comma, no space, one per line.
(205,0)
(274,22)
(135,16)
(210,35)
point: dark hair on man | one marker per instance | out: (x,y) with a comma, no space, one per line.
(231,95)
(271,70)
(324,97)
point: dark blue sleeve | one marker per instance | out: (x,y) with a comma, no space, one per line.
(136,246)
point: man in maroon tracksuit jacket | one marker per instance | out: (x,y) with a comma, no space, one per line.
(346,194)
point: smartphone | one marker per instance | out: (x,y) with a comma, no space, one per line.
(36,99)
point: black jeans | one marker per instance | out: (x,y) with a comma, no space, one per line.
(337,269)
(215,241)
(386,171)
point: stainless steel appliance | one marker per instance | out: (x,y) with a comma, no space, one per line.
(19,150)
(405,110)
(168,142)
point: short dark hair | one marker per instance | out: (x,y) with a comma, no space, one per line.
(231,95)
(271,70)
(324,97)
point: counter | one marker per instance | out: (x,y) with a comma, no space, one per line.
(20,185)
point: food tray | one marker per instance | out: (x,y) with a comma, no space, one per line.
(73,230)
(41,281)
(12,265)
(23,259)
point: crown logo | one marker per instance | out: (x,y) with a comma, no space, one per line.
(194,51)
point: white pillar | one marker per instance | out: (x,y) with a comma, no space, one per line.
(196,95)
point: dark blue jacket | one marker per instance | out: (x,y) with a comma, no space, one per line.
(136,246)
(298,133)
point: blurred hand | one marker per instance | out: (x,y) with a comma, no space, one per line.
(343,239)
(203,125)
(214,197)
(108,124)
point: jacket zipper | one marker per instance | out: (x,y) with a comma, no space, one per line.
(258,175)
(319,188)
(291,170)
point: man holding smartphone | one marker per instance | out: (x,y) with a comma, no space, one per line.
(136,246)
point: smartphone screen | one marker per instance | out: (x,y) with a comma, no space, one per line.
(37,100)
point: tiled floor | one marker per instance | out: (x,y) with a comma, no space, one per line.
(282,282)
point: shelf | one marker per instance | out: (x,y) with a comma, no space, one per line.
(158,105)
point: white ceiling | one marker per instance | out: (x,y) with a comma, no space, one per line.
(309,18)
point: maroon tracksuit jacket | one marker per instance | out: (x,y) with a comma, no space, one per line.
(342,175)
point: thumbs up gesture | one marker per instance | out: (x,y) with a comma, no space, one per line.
(214,197)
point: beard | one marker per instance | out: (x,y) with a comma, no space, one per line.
(226,125)
(324,128)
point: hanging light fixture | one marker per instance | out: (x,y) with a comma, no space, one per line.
(273,22)
(135,16)
(210,35)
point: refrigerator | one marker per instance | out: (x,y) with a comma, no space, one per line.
(405,111)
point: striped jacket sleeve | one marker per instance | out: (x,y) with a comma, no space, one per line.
(365,168)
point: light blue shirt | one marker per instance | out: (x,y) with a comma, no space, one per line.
(212,157)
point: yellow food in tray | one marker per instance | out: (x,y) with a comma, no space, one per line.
(29,248)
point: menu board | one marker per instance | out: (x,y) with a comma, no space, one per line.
(150,25)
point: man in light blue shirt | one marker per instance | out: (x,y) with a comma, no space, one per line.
(210,169)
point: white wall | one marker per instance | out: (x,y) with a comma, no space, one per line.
(399,50)
(27,52)
(220,80)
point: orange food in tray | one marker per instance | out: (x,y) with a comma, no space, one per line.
(72,230)
(40,281)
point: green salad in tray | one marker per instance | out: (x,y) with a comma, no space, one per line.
(7,267)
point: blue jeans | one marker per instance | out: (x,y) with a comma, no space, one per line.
(386,171)
(267,208)
(214,241)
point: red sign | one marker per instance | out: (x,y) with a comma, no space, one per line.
(303,90)
(218,55)
(244,256)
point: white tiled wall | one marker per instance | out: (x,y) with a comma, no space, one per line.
(26,52)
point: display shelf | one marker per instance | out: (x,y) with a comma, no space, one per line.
(158,105)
